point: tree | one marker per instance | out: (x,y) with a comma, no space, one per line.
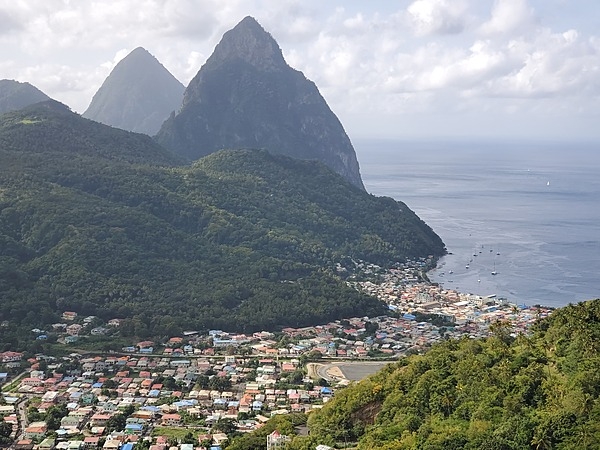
(116,422)
(33,415)
(5,431)
(227,426)
(188,438)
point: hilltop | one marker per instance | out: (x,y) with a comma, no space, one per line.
(502,392)
(15,95)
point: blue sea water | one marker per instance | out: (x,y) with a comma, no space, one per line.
(529,211)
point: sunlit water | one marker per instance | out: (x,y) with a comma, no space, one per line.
(530,212)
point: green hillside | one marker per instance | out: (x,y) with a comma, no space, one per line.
(500,393)
(105,222)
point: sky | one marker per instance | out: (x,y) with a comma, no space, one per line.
(420,69)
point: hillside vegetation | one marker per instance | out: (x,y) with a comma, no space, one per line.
(500,393)
(105,222)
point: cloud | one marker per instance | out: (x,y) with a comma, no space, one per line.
(437,16)
(552,65)
(508,16)
(8,23)
(377,61)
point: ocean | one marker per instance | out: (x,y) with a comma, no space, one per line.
(530,212)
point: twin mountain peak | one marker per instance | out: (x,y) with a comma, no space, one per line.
(244,96)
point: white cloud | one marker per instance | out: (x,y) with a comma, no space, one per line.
(552,65)
(508,16)
(377,63)
(438,16)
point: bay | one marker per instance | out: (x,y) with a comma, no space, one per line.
(528,211)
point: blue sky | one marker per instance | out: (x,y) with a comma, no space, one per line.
(420,69)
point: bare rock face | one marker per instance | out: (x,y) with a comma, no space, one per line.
(246,96)
(15,95)
(138,95)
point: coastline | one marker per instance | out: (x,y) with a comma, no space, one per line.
(497,195)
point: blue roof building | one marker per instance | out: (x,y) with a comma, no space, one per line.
(133,428)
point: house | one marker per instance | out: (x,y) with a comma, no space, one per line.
(91,442)
(24,444)
(99,420)
(175,341)
(74,329)
(257,405)
(112,444)
(144,344)
(98,331)
(31,381)
(276,440)
(6,410)
(8,357)
(36,430)
(47,444)
(75,445)
(88,398)
(134,428)
(70,421)
(171,420)
(69,315)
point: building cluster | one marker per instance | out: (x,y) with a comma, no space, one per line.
(197,381)
(463,313)
(194,394)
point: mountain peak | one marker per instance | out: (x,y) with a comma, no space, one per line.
(249,42)
(140,51)
(246,96)
(15,95)
(138,95)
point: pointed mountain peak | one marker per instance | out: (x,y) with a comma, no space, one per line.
(249,42)
(138,95)
(139,54)
(246,96)
(140,51)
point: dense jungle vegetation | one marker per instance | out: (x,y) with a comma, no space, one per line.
(105,222)
(536,392)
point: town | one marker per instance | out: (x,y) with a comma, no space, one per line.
(197,390)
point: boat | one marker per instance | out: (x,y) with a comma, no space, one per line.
(494,271)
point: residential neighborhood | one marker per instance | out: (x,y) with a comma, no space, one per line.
(191,391)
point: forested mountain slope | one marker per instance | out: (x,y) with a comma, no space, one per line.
(501,393)
(106,222)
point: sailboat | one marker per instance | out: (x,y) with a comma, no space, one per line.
(494,271)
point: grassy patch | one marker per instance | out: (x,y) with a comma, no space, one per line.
(174,432)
